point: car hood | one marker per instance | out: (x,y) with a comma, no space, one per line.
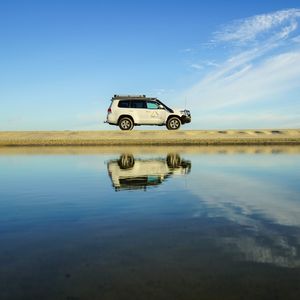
(179,111)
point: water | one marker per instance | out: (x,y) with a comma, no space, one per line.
(150,223)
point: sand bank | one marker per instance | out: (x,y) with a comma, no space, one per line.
(151,137)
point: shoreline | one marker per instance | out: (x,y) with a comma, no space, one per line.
(153,150)
(150,137)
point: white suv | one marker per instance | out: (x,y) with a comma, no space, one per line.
(128,111)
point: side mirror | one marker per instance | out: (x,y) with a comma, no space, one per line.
(161,106)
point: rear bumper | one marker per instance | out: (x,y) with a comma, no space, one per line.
(110,120)
(109,123)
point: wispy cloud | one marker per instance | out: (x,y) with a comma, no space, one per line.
(248,82)
(253,120)
(263,61)
(197,66)
(203,64)
(280,24)
(186,50)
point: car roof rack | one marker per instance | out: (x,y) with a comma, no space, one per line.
(128,96)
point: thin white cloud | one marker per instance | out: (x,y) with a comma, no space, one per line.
(274,75)
(296,39)
(249,120)
(251,28)
(187,50)
(197,66)
(265,64)
(205,63)
(161,92)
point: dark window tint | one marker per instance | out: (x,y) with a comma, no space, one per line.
(138,104)
(124,103)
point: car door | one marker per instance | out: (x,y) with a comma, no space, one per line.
(155,114)
(138,109)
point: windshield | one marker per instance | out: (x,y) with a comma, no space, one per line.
(165,106)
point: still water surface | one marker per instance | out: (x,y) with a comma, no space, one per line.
(150,223)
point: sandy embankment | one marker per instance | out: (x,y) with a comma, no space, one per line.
(150,137)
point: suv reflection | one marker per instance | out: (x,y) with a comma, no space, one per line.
(129,173)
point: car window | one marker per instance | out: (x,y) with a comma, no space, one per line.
(152,105)
(123,103)
(138,104)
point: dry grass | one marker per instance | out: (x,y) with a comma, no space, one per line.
(153,137)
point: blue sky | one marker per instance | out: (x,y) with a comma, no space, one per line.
(235,63)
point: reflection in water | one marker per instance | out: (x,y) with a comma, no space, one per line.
(276,249)
(129,173)
(260,196)
(228,230)
(254,204)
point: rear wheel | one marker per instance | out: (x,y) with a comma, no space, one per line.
(173,123)
(125,123)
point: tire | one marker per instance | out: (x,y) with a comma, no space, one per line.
(126,161)
(173,123)
(126,123)
(173,161)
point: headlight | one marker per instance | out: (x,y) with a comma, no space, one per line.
(185,112)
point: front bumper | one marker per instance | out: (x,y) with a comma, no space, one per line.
(186,119)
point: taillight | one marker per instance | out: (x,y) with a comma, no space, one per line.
(109,110)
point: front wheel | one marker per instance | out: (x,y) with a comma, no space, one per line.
(125,123)
(173,161)
(173,123)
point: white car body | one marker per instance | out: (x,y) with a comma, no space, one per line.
(141,110)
